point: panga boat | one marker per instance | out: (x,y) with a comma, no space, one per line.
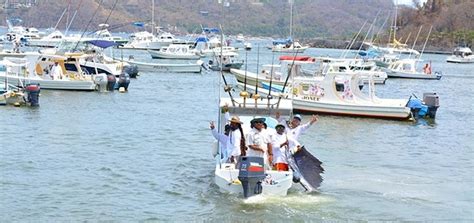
(250,176)
(461,55)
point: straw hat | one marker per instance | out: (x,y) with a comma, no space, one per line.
(235,119)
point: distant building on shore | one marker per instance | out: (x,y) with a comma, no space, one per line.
(17,4)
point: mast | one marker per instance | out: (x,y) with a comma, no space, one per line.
(153,17)
(291,18)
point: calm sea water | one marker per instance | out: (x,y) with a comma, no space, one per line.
(145,156)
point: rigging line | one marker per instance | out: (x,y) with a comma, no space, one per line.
(426,41)
(353,41)
(73,17)
(380,29)
(367,35)
(90,21)
(60,18)
(414,42)
(113,8)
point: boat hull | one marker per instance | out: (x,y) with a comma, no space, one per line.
(226,178)
(398,74)
(176,68)
(75,85)
(374,111)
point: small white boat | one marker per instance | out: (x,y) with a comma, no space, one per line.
(234,179)
(175,51)
(167,67)
(461,55)
(229,60)
(12,95)
(293,47)
(406,68)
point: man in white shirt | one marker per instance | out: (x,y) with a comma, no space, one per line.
(294,128)
(56,72)
(236,140)
(281,145)
(258,142)
(223,140)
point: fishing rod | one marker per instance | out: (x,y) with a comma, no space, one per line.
(287,78)
(256,96)
(269,96)
(227,88)
(244,93)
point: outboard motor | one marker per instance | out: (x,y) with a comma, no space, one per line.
(251,174)
(111,82)
(101,82)
(131,70)
(432,101)
(124,80)
(427,107)
(33,92)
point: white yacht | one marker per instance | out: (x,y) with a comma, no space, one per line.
(461,55)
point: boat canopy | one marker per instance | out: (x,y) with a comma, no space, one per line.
(139,24)
(211,30)
(202,39)
(298,58)
(282,41)
(102,43)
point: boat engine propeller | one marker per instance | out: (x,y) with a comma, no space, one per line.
(251,174)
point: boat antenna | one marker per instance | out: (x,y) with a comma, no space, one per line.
(368,32)
(90,21)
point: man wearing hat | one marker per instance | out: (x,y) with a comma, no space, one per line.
(236,139)
(294,128)
(258,142)
(281,143)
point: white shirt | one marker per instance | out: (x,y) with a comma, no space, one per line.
(257,138)
(224,143)
(279,153)
(295,133)
(56,72)
(234,142)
